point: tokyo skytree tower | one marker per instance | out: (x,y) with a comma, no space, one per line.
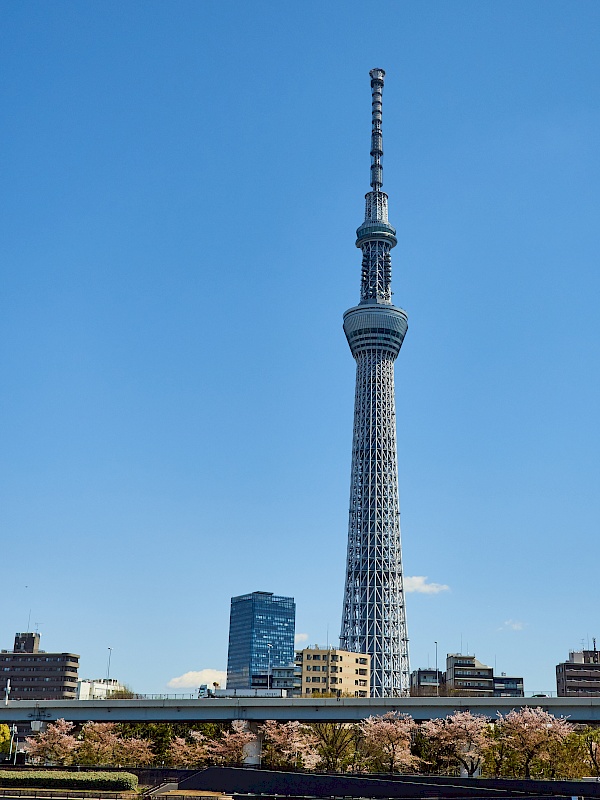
(374,616)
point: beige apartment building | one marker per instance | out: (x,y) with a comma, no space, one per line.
(325,670)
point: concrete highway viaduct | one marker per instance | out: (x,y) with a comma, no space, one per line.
(258,709)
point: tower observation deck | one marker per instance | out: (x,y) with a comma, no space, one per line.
(374,614)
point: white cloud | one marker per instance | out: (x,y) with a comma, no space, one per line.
(512,625)
(192,680)
(300,637)
(418,583)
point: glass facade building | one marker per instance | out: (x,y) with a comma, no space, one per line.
(261,636)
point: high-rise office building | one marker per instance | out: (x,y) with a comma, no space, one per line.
(261,636)
(374,616)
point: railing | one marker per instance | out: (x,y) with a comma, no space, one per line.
(135,696)
(61,794)
(541,693)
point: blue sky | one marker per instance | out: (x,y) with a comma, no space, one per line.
(181,186)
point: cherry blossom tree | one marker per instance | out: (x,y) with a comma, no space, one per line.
(230,748)
(288,746)
(99,745)
(386,742)
(190,752)
(459,740)
(135,752)
(56,744)
(532,736)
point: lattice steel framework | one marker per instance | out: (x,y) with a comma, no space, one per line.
(374,615)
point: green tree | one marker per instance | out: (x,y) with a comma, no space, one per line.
(125,693)
(499,758)
(337,745)
(591,741)
(4,738)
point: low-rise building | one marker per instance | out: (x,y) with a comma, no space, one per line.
(286,678)
(426,682)
(508,686)
(99,689)
(325,670)
(580,675)
(467,676)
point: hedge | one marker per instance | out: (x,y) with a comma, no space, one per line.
(52,779)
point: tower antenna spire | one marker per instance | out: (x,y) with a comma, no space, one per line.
(377,76)
(374,614)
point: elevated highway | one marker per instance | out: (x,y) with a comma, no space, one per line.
(258,709)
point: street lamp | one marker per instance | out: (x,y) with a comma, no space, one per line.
(108,667)
(437,674)
(269,648)
(13,737)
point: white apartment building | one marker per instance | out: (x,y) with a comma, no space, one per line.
(98,689)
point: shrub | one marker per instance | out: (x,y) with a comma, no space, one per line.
(54,779)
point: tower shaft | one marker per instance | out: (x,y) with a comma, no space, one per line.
(374,615)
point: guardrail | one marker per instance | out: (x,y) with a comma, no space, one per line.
(66,794)
(541,693)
